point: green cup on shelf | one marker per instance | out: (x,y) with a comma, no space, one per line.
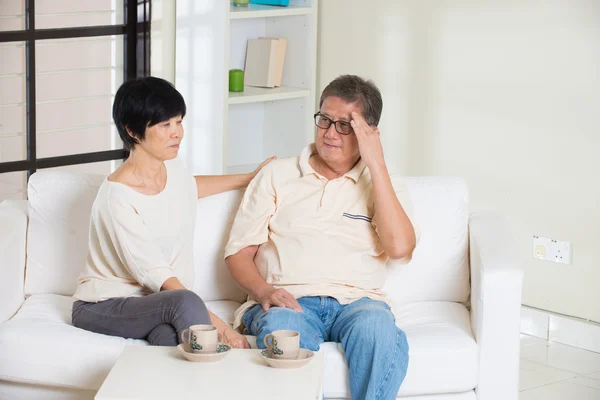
(240,3)
(236,80)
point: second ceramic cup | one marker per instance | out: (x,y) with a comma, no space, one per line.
(283,344)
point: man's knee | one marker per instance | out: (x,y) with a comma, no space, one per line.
(261,323)
(278,318)
(377,327)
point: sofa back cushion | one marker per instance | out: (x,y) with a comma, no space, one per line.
(214,218)
(59,211)
(439,269)
(60,205)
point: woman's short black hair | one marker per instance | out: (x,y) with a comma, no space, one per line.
(144,102)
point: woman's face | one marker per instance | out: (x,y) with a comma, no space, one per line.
(162,140)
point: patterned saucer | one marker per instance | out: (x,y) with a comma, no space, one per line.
(304,358)
(222,351)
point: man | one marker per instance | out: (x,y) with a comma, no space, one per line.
(312,237)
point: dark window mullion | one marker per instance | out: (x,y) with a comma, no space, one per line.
(79,32)
(63,33)
(84,158)
(16,166)
(146,34)
(130,47)
(31,106)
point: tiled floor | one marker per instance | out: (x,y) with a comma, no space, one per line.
(553,371)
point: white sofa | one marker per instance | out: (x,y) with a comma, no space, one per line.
(458,300)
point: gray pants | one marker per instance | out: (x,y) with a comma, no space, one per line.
(158,318)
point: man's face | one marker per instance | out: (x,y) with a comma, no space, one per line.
(334,148)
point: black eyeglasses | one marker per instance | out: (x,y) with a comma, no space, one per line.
(342,127)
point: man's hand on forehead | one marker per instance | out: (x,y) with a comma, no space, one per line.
(369,142)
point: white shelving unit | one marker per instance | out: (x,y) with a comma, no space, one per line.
(256,94)
(233,132)
(260,11)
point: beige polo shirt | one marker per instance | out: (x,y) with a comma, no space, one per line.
(317,236)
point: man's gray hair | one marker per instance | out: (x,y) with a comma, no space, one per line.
(354,89)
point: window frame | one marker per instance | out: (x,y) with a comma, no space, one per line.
(135,30)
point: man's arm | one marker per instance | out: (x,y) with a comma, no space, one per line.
(213,184)
(396,233)
(243,269)
(251,229)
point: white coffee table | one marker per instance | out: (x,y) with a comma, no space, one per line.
(150,372)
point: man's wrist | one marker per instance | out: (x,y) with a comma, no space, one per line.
(378,168)
(263,290)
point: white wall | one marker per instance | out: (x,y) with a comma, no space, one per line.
(200,39)
(503,93)
(162,40)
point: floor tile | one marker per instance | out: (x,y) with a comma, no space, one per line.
(561,391)
(536,352)
(527,340)
(533,375)
(563,357)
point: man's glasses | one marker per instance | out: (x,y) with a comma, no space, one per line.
(342,127)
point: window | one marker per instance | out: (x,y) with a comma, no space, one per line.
(62,62)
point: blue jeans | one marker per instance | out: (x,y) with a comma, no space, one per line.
(376,350)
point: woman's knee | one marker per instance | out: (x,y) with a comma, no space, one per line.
(189,306)
(183,298)
(163,335)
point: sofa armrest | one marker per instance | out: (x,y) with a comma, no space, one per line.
(13,236)
(496,283)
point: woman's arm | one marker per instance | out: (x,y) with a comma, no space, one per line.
(226,334)
(213,184)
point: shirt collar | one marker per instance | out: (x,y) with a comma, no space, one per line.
(306,169)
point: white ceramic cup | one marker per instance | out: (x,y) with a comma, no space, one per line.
(283,344)
(201,338)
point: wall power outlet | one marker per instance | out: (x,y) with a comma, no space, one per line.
(551,250)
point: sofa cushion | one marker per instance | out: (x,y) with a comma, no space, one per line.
(439,269)
(443,355)
(214,217)
(40,346)
(60,205)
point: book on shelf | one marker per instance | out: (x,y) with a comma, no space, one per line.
(264,62)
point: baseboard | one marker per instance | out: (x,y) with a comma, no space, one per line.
(560,328)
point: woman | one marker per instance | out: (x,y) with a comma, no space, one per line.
(139,267)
